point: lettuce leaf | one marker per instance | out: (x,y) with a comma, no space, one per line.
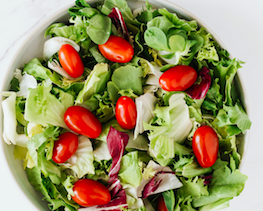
(95,83)
(224,185)
(173,120)
(82,161)
(10,134)
(44,108)
(130,171)
(56,195)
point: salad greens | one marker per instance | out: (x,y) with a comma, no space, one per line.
(156,157)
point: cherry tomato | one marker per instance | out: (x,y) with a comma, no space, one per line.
(126,113)
(117,49)
(82,121)
(71,61)
(178,78)
(88,192)
(161,204)
(205,146)
(65,147)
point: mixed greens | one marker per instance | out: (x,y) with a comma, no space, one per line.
(156,157)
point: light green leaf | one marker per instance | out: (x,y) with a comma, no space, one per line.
(156,39)
(130,171)
(99,28)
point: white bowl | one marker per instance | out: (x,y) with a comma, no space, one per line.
(33,47)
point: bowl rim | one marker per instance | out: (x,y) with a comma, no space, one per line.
(62,10)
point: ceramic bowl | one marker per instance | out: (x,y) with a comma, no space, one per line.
(33,47)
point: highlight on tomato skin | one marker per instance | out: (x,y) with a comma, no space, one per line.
(65,147)
(70,61)
(126,113)
(82,121)
(88,192)
(161,206)
(117,49)
(205,146)
(178,78)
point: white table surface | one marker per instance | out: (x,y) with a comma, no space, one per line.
(238,23)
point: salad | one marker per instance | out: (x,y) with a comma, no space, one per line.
(128,110)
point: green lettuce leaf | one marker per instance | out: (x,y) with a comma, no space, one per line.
(95,83)
(231,116)
(173,121)
(82,161)
(224,185)
(44,108)
(130,170)
(56,195)
(38,147)
(162,149)
(179,23)
(123,7)
(10,134)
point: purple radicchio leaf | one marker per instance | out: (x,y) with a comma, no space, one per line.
(116,142)
(199,89)
(115,187)
(207,179)
(151,187)
(163,180)
(119,201)
(119,22)
(116,204)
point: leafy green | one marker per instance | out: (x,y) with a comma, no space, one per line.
(125,78)
(156,38)
(44,108)
(82,161)
(179,23)
(55,195)
(224,185)
(130,171)
(169,199)
(123,7)
(233,115)
(95,83)
(37,147)
(171,121)
(162,149)
(99,28)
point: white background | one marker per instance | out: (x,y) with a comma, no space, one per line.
(238,23)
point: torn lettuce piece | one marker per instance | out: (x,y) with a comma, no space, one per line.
(95,83)
(38,147)
(56,195)
(179,23)
(44,108)
(158,179)
(82,161)
(26,82)
(224,185)
(53,45)
(130,171)
(10,134)
(232,115)
(173,121)
(162,149)
(101,151)
(145,105)
(123,7)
